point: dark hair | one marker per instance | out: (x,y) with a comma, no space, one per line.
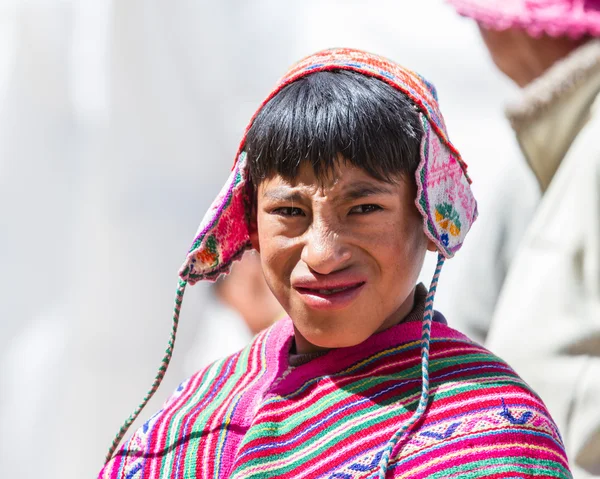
(330,113)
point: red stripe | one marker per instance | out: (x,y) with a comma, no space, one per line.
(245,381)
(165,418)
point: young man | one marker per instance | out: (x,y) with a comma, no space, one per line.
(343,181)
(551,295)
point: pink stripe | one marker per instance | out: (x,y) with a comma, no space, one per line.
(157,436)
(216,419)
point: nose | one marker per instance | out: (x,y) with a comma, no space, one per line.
(325,250)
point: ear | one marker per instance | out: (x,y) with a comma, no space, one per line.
(253,229)
(431,246)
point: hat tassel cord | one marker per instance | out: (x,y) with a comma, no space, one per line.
(424,400)
(159,376)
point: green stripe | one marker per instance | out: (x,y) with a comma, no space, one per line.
(275,429)
(361,386)
(200,424)
(332,439)
(174,432)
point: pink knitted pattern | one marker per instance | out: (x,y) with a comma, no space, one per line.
(573,18)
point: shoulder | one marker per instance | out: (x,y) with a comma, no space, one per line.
(479,403)
(484,403)
(457,360)
(469,375)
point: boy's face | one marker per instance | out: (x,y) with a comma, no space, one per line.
(342,256)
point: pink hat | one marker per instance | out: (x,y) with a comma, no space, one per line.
(574,18)
(444,196)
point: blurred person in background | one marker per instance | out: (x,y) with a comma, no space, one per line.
(547,322)
(240,307)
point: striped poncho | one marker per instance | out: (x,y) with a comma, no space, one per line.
(252,415)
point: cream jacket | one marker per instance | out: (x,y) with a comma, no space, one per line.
(547,323)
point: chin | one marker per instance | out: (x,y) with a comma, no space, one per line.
(331,340)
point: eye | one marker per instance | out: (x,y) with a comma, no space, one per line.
(364,209)
(288,211)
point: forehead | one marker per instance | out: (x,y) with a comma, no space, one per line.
(344,179)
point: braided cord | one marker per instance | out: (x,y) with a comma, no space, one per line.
(159,376)
(424,400)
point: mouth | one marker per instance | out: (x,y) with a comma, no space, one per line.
(330,296)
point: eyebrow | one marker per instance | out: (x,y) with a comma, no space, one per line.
(354,192)
(364,190)
(282,194)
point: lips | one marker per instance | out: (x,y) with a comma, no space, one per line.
(327,295)
(328,291)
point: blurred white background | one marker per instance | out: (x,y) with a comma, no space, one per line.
(118,125)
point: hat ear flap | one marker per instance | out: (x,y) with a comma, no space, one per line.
(444,196)
(223,235)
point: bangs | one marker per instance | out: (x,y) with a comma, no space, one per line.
(332,115)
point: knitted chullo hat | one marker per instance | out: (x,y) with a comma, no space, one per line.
(573,18)
(444,200)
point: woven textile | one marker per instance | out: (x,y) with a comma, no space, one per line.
(251,415)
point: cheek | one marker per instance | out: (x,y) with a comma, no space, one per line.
(506,50)
(274,247)
(278,256)
(400,250)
